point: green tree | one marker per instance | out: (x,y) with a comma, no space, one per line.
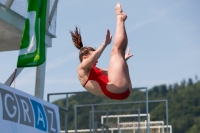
(190,82)
(163,90)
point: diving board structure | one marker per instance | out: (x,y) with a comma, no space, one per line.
(13,14)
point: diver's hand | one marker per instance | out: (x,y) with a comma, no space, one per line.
(128,55)
(108,37)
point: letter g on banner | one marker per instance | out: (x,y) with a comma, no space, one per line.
(10,109)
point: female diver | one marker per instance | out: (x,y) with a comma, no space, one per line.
(113,82)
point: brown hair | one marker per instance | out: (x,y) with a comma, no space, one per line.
(77,41)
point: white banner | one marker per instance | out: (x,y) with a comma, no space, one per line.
(24,113)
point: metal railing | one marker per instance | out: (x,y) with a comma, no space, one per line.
(66,94)
(102,127)
(107,113)
(66,112)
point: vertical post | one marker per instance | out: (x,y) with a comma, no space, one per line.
(102,129)
(149,123)
(66,115)
(147,110)
(139,121)
(40,80)
(118,128)
(107,129)
(134,126)
(118,120)
(75,119)
(102,121)
(118,124)
(107,121)
(40,70)
(48,98)
(95,127)
(90,121)
(167,114)
(93,118)
(163,127)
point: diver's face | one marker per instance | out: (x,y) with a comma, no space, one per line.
(87,56)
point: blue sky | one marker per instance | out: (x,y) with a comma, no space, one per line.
(164,37)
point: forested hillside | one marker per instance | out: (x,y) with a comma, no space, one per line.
(183,106)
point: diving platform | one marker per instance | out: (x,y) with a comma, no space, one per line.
(13,14)
(11,27)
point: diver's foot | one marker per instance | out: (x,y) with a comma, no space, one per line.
(119,12)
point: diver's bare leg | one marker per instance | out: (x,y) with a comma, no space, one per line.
(118,74)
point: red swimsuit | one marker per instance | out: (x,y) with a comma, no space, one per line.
(102,79)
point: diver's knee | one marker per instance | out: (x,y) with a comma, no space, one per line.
(116,50)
